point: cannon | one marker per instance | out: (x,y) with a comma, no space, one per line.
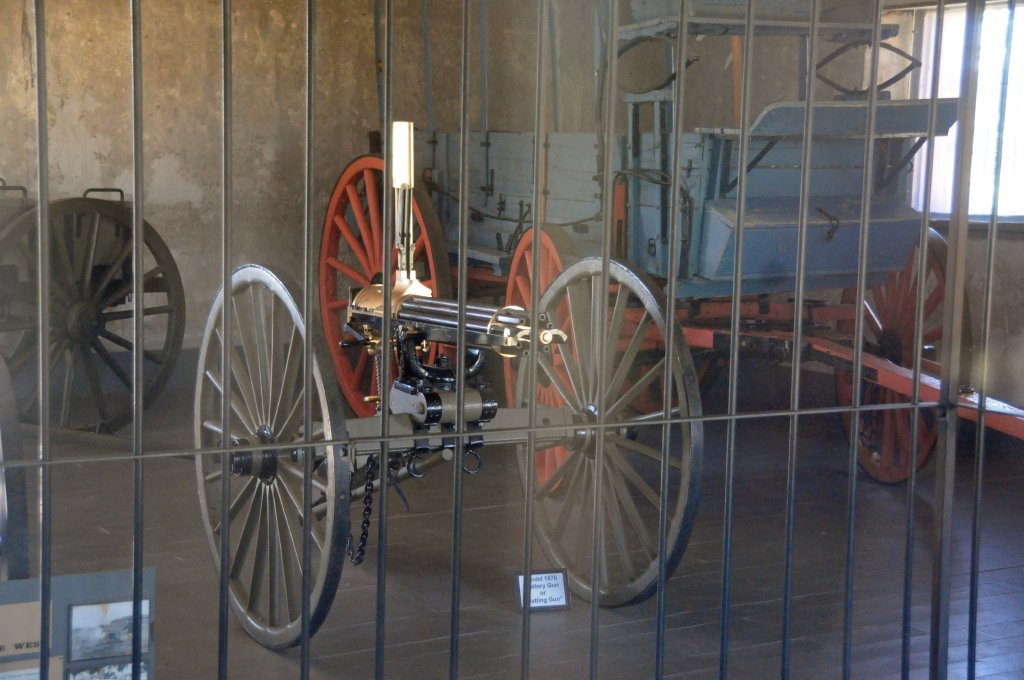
(618,454)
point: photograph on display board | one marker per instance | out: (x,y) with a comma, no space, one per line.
(105,630)
(107,671)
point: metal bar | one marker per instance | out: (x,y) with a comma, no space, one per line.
(734,328)
(675,248)
(986,323)
(227,198)
(956,266)
(308,284)
(556,116)
(798,320)
(894,172)
(378,60)
(858,336)
(386,339)
(915,415)
(753,163)
(540,215)
(599,313)
(43,324)
(485,123)
(428,71)
(138,336)
(460,385)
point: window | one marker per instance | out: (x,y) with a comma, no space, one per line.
(993,51)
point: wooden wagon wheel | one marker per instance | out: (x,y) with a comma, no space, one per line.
(556,253)
(889,325)
(14,548)
(266,486)
(350,257)
(630,475)
(92,312)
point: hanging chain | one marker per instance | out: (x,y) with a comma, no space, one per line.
(356,555)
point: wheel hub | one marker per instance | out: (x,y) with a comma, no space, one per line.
(84,322)
(262,464)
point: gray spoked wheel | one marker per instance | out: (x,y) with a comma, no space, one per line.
(266,486)
(631,315)
(91,312)
(14,562)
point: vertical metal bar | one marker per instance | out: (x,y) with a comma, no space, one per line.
(556,116)
(378,59)
(43,324)
(485,123)
(138,336)
(858,335)
(600,307)
(915,415)
(986,323)
(956,271)
(227,199)
(307,341)
(807,86)
(734,331)
(428,71)
(386,342)
(675,247)
(540,213)
(460,386)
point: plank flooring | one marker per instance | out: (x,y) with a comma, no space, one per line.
(92,528)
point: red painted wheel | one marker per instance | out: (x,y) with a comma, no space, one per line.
(889,329)
(350,257)
(557,253)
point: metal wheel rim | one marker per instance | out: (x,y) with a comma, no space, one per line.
(274,504)
(91,317)
(885,438)
(573,480)
(350,256)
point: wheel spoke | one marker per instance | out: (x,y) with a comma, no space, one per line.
(93,378)
(617,460)
(90,256)
(365,233)
(126,344)
(644,450)
(125,314)
(246,331)
(112,364)
(353,242)
(289,377)
(259,560)
(245,387)
(548,486)
(579,472)
(615,330)
(244,498)
(291,561)
(618,529)
(628,356)
(275,554)
(637,388)
(126,287)
(349,271)
(557,381)
(112,271)
(374,203)
(315,529)
(632,512)
(246,418)
(579,323)
(296,473)
(71,355)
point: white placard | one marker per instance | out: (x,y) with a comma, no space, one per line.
(547,590)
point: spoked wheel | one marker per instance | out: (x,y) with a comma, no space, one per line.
(556,253)
(92,312)
(14,562)
(885,436)
(266,486)
(630,313)
(350,257)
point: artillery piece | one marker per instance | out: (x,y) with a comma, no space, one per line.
(581,452)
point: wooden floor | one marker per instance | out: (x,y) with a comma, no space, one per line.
(92,531)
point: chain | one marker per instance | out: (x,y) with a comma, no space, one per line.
(356,555)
